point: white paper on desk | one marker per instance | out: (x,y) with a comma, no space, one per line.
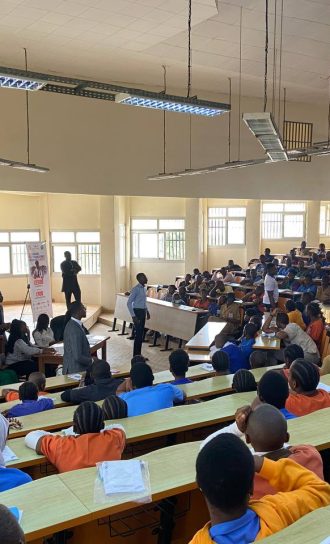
(324,387)
(208,367)
(59,348)
(69,432)
(123,481)
(326,541)
(76,377)
(8,454)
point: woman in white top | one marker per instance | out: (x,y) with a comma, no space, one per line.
(19,350)
(43,334)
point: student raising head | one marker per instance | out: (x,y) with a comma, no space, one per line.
(273,389)
(225,470)
(30,402)
(304,396)
(179,364)
(91,443)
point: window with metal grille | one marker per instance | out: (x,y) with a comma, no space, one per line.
(84,247)
(160,239)
(13,255)
(226,226)
(325,219)
(281,220)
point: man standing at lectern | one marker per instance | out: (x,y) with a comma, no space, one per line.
(70,270)
(137,306)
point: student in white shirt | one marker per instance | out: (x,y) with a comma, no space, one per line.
(43,334)
(270,297)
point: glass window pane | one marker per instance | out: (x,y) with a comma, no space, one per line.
(175,246)
(58,255)
(216,232)
(4,237)
(19,259)
(4,260)
(271,226)
(24,236)
(135,245)
(171,224)
(294,226)
(148,246)
(62,237)
(161,244)
(322,219)
(88,237)
(217,212)
(294,206)
(89,258)
(272,207)
(236,231)
(236,212)
(144,224)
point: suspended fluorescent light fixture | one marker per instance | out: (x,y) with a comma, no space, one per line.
(265,130)
(178,104)
(24,166)
(10,82)
(209,169)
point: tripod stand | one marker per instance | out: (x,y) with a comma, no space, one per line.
(27,297)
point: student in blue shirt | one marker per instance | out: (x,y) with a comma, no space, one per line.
(9,477)
(179,364)
(308,286)
(31,403)
(326,261)
(145,397)
(273,388)
(239,355)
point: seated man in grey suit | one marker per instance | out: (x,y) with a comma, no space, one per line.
(77,355)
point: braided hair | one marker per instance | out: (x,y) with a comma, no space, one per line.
(114,407)
(88,418)
(313,310)
(305,374)
(244,381)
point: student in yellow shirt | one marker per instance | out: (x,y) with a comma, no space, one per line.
(225,471)
(294,315)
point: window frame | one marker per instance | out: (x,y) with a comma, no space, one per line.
(10,244)
(73,244)
(227,218)
(326,233)
(283,214)
(160,233)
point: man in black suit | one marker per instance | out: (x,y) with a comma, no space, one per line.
(70,270)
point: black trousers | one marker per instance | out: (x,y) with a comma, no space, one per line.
(75,291)
(24,368)
(139,330)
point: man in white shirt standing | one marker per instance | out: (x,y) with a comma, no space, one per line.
(137,306)
(270,297)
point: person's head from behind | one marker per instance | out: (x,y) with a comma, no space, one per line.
(88,418)
(303,245)
(67,255)
(171,289)
(220,362)
(179,363)
(327,256)
(291,274)
(304,376)
(39,379)
(308,280)
(262,259)
(141,375)
(224,474)
(10,530)
(282,320)
(114,407)
(290,306)
(250,331)
(42,322)
(313,311)
(267,251)
(325,281)
(100,370)
(273,389)
(187,278)
(230,299)
(182,291)
(244,381)
(271,269)
(28,391)
(142,278)
(78,310)
(267,429)
(137,359)
(291,353)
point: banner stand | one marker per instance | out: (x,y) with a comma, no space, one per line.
(39,280)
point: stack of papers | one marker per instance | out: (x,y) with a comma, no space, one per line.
(208,367)
(76,377)
(122,477)
(8,454)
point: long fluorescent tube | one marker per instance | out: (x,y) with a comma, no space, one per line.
(263,127)
(208,169)
(10,82)
(192,106)
(24,166)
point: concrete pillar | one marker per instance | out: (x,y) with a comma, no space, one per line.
(194,234)
(253,229)
(313,223)
(108,266)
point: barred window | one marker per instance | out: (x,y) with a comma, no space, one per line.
(84,247)
(13,255)
(226,226)
(281,220)
(161,239)
(325,219)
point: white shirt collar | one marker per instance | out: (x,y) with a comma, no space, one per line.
(285,446)
(77,321)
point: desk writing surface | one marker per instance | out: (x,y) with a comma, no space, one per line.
(194,372)
(57,382)
(48,506)
(266,342)
(204,338)
(312,429)
(58,418)
(58,402)
(310,529)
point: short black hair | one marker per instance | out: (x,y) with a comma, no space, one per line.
(273,389)
(250,330)
(244,381)
(230,295)
(220,361)
(269,267)
(293,352)
(75,307)
(179,362)
(290,305)
(39,379)
(137,359)
(282,319)
(28,391)
(225,472)
(11,531)
(100,369)
(305,374)
(114,407)
(141,375)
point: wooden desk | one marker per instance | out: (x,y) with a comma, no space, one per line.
(194,373)
(204,338)
(52,384)
(239,286)
(266,342)
(310,529)
(58,402)
(177,321)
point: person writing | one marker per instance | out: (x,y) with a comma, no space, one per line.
(137,306)
(70,285)
(77,353)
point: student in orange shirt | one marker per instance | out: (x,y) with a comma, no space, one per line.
(91,443)
(294,315)
(38,378)
(304,397)
(203,302)
(316,325)
(225,472)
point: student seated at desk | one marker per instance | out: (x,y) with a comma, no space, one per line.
(179,364)
(321,250)
(283,270)
(38,378)
(186,282)
(308,286)
(268,257)
(226,469)
(294,315)
(233,266)
(203,302)
(183,297)
(302,304)
(323,292)
(3,325)
(43,334)
(103,385)
(9,477)
(303,251)
(195,285)
(239,355)
(244,381)
(326,260)
(114,407)
(30,402)
(304,396)
(230,313)
(10,530)
(145,397)
(266,430)
(318,273)
(168,296)
(316,323)
(92,441)
(290,283)
(261,268)
(273,389)
(256,299)
(291,353)
(220,362)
